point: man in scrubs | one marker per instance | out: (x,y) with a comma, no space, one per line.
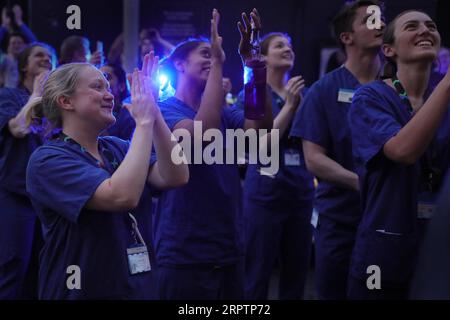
(321,123)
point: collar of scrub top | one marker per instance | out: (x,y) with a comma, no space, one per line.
(432,174)
(110,165)
(404,95)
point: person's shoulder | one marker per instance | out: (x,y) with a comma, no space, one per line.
(52,147)
(168,103)
(174,110)
(331,78)
(18,95)
(8,92)
(328,83)
(47,152)
(376,95)
(375,89)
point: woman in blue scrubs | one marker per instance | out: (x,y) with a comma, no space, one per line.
(400,137)
(278,208)
(19,227)
(198,236)
(92,193)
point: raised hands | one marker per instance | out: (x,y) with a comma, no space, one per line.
(143,108)
(6,20)
(18,14)
(38,84)
(217,52)
(245,29)
(10,21)
(293,91)
(150,70)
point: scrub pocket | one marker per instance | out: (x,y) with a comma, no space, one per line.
(395,255)
(260,187)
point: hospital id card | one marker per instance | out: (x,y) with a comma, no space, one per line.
(138,259)
(291,158)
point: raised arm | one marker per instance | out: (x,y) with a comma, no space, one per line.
(284,118)
(293,98)
(22,26)
(17,125)
(414,138)
(245,30)
(124,189)
(210,110)
(164,173)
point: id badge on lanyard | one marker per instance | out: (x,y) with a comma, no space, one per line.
(426,201)
(138,257)
(291,158)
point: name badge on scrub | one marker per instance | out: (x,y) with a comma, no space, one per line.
(426,205)
(346,95)
(138,258)
(291,158)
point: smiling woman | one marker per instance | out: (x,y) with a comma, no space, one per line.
(86,188)
(401,158)
(199,224)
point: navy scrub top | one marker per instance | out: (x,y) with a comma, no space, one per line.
(291,183)
(201,223)
(322,119)
(61,178)
(390,231)
(14,152)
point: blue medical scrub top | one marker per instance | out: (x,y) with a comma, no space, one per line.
(61,178)
(291,183)
(322,119)
(14,153)
(389,233)
(124,126)
(201,222)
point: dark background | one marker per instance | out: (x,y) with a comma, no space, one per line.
(306,21)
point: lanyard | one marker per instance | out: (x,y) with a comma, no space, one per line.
(136,234)
(402,94)
(110,165)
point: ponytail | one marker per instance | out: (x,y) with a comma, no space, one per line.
(34,112)
(36,120)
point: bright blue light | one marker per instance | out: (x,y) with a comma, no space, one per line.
(163,80)
(165,88)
